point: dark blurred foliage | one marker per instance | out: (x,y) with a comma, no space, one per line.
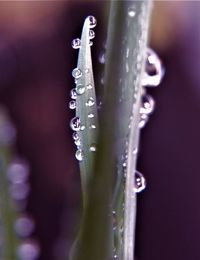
(36,60)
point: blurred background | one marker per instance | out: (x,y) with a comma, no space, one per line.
(36,60)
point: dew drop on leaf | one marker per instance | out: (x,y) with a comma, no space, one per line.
(75,136)
(90,115)
(148,105)
(75,124)
(76,73)
(89,86)
(73,93)
(79,155)
(90,102)
(72,104)
(93,148)
(131,12)
(140,182)
(76,43)
(91,34)
(92,21)
(80,89)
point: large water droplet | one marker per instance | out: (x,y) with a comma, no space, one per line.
(140,182)
(93,147)
(79,155)
(154,71)
(24,226)
(28,250)
(76,73)
(90,102)
(72,104)
(73,93)
(92,21)
(91,34)
(80,89)
(131,12)
(76,43)
(75,123)
(148,105)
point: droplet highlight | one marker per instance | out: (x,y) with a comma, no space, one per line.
(79,155)
(140,182)
(131,12)
(90,102)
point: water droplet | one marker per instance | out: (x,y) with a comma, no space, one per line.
(76,73)
(75,123)
(79,155)
(140,182)
(91,34)
(148,104)
(90,115)
(154,71)
(77,142)
(93,148)
(90,43)
(82,127)
(18,171)
(73,93)
(92,126)
(80,89)
(28,250)
(75,136)
(72,104)
(87,70)
(76,43)
(24,226)
(102,57)
(92,21)
(131,12)
(90,102)
(89,86)
(143,120)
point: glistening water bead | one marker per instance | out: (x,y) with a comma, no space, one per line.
(73,94)
(79,155)
(148,104)
(75,123)
(91,34)
(76,43)
(80,89)
(72,104)
(92,21)
(76,73)
(90,102)
(131,12)
(140,182)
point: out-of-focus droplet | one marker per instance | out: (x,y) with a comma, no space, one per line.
(7,133)
(102,57)
(19,191)
(72,104)
(90,115)
(91,34)
(18,171)
(28,250)
(92,21)
(140,182)
(80,89)
(90,102)
(24,226)
(79,155)
(76,73)
(131,12)
(154,71)
(76,43)
(148,105)
(75,123)
(73,94)
(93,148)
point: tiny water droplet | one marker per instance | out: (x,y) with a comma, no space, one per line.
(87,70)
(93,148)
(91,34)
(92,21)
(79,155)
(80,89)
(76,43)
(82,127)
(143,120)
(75,136)
(131,12)
(76,73)
(28,250)
(90,115)
(89,86)
(102,57)
(72,104)
(75,123)
(92,126)
(140,182)
(90,102)
(154,71)
(148,104)
(77,142)
(73,93)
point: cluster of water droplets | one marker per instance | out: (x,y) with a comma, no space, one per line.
(81,89)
